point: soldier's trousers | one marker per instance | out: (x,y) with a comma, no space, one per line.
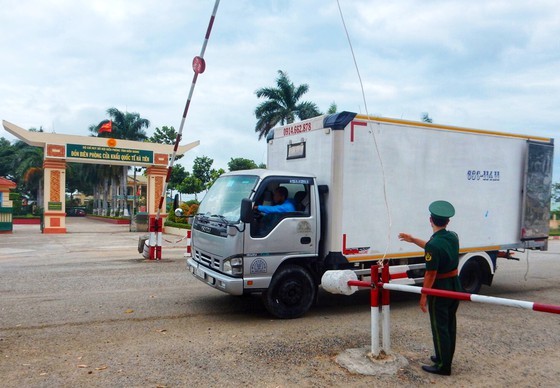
(444,329)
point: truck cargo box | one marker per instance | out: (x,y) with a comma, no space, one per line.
(382,174)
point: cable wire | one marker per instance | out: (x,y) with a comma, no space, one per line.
(385,197)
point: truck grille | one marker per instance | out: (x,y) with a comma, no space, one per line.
(207,260)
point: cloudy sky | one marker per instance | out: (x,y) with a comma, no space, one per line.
(482,64)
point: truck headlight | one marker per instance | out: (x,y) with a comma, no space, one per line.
(233,266)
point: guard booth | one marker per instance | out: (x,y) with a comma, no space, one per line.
(6,209)
(60,149)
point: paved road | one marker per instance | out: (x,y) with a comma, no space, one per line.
(85,309)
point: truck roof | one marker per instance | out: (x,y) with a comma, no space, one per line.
(263,173)
(454,128)
(340,120)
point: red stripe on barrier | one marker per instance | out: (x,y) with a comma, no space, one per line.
(546,308)
(446,294)
(374,290)
(399,275)
(209,27)
(385,294)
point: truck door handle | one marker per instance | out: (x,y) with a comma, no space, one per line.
(305,240)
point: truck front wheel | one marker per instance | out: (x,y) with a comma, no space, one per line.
(471,277)
(291,292)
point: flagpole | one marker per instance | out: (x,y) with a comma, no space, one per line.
(198,65)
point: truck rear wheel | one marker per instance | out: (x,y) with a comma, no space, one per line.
(291,292)
(471,277)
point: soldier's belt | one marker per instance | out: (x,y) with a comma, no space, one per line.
(447,275)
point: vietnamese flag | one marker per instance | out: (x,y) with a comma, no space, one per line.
(106,127)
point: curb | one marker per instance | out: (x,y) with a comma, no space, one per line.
(109,220)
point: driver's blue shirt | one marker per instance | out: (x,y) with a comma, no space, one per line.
(286,207)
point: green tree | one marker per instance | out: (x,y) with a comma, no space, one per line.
(165,135)
(191,185)
(8,157)
(332,108)
(215,174)
(241,164)
(202,167)
(29,168)
(282,104)
(178,174)
(78,178)
(126,126)
(556,192)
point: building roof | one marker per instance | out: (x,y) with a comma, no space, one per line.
(7,183)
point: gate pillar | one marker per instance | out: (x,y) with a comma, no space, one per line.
(54,204)
(156,179)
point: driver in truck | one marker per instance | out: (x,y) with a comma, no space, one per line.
(281,203)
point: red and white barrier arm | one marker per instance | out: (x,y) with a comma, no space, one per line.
(400,271)
(198,65)
(546,308)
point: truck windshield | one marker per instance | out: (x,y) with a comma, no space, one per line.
(225,195)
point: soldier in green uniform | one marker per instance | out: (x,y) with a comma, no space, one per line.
(441,253)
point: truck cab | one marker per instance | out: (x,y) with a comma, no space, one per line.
(237,249)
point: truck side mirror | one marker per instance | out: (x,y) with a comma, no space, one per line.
(246,210)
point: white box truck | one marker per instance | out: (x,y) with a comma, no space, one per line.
(355,183)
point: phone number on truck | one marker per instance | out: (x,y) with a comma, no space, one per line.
(297,128)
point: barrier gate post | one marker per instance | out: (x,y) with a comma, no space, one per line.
(374,311)
(385,310)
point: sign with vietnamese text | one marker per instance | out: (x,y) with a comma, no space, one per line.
(115,154)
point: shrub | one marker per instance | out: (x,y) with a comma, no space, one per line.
(193,209)
(177,224)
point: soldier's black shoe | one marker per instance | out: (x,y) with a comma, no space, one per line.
(434,359)
(436,370)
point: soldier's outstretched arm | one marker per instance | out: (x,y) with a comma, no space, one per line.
(411,239)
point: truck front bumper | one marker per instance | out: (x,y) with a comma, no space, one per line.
(219,281)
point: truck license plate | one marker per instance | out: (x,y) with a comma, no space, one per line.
(199,272)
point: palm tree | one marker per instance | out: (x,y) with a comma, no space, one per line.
(126,126)
(30,169)
(282,105)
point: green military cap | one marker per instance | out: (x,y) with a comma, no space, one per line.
(442,209)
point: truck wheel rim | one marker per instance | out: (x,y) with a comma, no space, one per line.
(291,293)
